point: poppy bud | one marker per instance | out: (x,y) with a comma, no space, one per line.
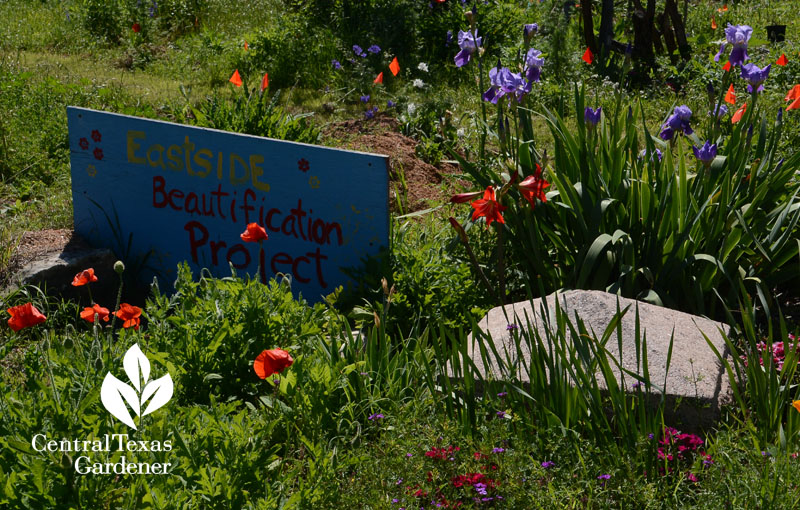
(119,267)
(98,364)
(470,17)
(385,286)
(459,229)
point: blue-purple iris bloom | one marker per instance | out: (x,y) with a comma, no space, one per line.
(592,117)
(721,111)
(390,104)
(358,51)
(336,65)
(738,36)
(653,155)
(374,49)
(469,44)
(678,121)
(365,99)
(755,77)
(370,113)
(533,64)
(706,153)
(505,82)
(530,29)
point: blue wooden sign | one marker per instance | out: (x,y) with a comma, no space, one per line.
(162,193)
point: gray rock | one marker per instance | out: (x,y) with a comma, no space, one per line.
(696,384)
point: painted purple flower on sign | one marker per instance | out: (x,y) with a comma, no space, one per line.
(738,36)
(469,43)
(755,77)
(706,153)
(592,117)
(678,121)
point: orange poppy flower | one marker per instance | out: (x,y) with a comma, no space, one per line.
(394,67)
(130,314)
(793,93)
(89,313)
(246,46)
(24,316)
(84,277)
(254,233)
(236,79)
(488,207)
(272,361)
(713,23)
(588,56)
(738,115)
(730,96)
(264,82)
(782,60)
(796,405)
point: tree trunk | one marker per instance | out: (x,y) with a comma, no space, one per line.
(643,31)
(588,26)
(671,9)
(606,27)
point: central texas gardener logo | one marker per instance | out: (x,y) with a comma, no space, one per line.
(115,393)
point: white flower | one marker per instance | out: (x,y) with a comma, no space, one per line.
(423,67)
(460,132)
(418,83)
(412,108)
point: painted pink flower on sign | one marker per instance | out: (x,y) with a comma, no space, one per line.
(84,143)
(96,135)
(98,153)
(303,165)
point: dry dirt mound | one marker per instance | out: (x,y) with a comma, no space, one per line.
(414,184)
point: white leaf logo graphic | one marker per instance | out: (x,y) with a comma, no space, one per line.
(115,393)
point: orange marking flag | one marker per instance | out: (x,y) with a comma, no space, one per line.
(394,67)
(236,79)
(738,115)
(588,56)
(730,96)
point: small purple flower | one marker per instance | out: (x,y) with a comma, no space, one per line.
(548,464)
(706,153)
(358,51)
(365,99)
(533,63)
(722,110)
(498,450)
(592,117)
(636,385)
(529,30)
(390,104)
(153,9)
(502,394)
(370,113)
(766,454)
(512,327)
(468,43)
(374,49)
(449,39)
(480,488)
(375,417)
(755,77)
(678,121)
(650,436)
(336,65)
(408,455)
(656,154)
(501,414)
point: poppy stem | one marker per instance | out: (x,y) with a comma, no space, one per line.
(116,307)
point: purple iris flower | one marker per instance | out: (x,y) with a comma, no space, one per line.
(505,82)
(534,63)
(678,121)
(706,153)
(529,30)
(370,113)
(721,110)
(336,65)
(358,51)
(374,49)
(738,36)
(755,77)
(468,43)
(653,155)
(592,117)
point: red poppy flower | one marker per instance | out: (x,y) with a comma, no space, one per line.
(236,79)
(533,187)
(488,207)
(272,361)
(84,277)
(136,28)
(727,66)
(713,23)
(303,165)
(730,96)
(84,143)
(724,8)
(96,136)
(738,115)
(89,313)
(98,153)
(588,56)
(394,67)
(254,233)
(24,316)
(264,82)
(246,46)
(782,61)
(130,314)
